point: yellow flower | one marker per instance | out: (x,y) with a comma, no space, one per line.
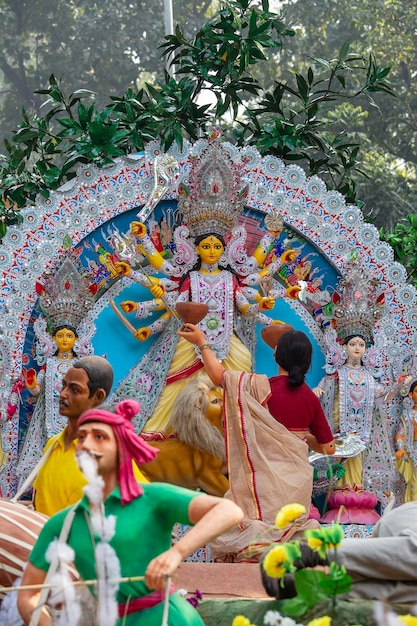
(288,514)
(273,562)
(274,571)
(408,620)
(320,621)
(325,538)
(315,543)
(241,620)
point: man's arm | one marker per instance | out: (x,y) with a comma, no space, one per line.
(27,599)
(212,516)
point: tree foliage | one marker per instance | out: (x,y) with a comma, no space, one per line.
(387,133)
(403,239)
(291,119)
(102,46)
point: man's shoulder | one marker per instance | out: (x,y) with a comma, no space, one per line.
(56,439)
(57,520)
(165,489)
(154,487)
(52,530)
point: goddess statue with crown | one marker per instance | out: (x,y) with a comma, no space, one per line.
(63,333)
(210,267)
(352,392)
(405,443)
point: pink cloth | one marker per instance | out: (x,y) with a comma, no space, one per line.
(145,602)
(130,445)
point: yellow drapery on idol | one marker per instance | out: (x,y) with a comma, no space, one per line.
(238,359)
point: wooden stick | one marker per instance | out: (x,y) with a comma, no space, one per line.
(122,318)
(166,602)
(76,583)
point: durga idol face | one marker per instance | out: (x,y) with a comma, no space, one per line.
(65,339)
(210,250)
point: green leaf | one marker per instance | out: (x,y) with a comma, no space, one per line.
(25,134)
(302,86)
(85,115)
(341,80)
(52,175)
(308,585)
(335,587)
(344,50)
(68,123)
(295,607)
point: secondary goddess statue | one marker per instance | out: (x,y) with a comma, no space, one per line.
(353,392)
(63,333)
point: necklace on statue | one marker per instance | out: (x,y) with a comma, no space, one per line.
(64,356)
(209,268)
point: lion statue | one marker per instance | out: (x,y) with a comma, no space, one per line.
(194,455)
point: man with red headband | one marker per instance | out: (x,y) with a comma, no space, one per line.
(145,515)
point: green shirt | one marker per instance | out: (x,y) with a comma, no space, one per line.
(143,531)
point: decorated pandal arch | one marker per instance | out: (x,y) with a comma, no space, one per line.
(88,220)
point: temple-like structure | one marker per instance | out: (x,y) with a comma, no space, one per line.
(89,219)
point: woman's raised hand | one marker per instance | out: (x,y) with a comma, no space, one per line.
(193,334)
